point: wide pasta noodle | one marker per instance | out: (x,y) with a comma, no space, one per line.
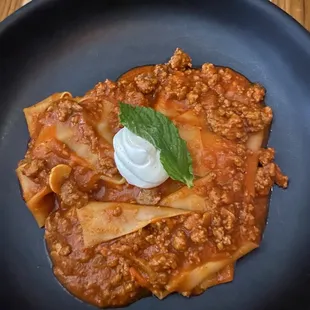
(223,276)
(33,112)
(38,197)
(67,135)
(41,205)
(29,188)
(187,280)
(188,198)
(104,221)
(103,126)
(254,143)
(199,276)
(99,223)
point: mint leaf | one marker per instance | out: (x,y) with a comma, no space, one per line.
(156,128)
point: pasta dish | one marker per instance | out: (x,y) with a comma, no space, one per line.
(154,184)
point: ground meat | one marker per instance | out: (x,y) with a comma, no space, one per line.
(266,115)
(148,196)
(135,98)
(266,176)
(264,179)
(62,250)
(71,196)
(256,118)
(176,87)
(33,168)
(199,235)
(221,239)
(235,120)
(215,196)
(179,241)
(256,92)
(146,82)
(208,70)
(228,219)
(266,156)
(88,136)
(280,179)
(246,214)
(180,60)
(104,89)
(93,106)
(192,221)
(193,256)
(229,126)
(195,93)
(164,261)
(216,220)
(65,107)
(107,164)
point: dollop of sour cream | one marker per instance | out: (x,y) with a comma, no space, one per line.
(137,160)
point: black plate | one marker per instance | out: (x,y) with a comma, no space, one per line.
(57,45)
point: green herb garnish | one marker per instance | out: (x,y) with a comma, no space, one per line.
(156,128)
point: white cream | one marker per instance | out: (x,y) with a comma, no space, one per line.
(137,160)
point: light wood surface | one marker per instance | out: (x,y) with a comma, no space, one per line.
(7,7)
(299,9)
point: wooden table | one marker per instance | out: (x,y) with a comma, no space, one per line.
(299,9)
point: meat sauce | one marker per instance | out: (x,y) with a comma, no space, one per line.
(232,121)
